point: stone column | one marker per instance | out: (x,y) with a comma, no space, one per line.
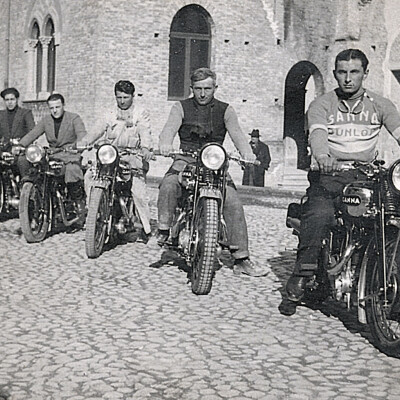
(45,41)
(31,78)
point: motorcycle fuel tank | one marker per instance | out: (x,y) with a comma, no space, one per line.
(357,198)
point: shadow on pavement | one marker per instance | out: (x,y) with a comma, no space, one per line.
(282,267)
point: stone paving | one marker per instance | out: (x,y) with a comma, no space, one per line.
(113,328)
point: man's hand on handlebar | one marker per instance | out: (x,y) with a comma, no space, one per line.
(249,158)
(147,154)
(17,149)
(166,149)
(326,163)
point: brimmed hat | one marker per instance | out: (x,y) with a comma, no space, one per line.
(255,133)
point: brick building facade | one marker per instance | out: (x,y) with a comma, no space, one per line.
(271,57)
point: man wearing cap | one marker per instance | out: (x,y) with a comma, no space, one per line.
(253,175)
(15,123)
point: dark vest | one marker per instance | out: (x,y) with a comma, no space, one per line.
(202,124)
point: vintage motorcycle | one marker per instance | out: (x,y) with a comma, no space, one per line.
(9,179)
(199,232)
(359,263)
(45,203)
(111,209)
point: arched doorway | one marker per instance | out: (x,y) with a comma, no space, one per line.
(300,90)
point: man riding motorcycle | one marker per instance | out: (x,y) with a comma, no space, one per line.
(199,120)
(63,129)
(127,126)
(344,125)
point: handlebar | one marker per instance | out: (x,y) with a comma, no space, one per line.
(233,157)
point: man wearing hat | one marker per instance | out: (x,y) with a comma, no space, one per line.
(253,175)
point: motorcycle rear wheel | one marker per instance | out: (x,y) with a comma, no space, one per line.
(384,318)
(34,213)
(204,246)
(96,222)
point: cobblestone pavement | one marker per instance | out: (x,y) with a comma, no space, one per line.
(113,328)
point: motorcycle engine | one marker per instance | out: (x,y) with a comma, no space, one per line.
(184,237)
(357,198)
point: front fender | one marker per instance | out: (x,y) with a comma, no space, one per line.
(362,282)
(102,183)
(211,193)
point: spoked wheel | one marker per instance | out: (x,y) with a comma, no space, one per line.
(34,213)
(204,246)
(96,222)
(383,310)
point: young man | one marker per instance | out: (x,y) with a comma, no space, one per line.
(199,120)
(62,129)
(344,125)
(128,125)
(253,175)
(15,123)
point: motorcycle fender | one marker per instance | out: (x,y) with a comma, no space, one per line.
(210,193)
(103,184)
(362,282)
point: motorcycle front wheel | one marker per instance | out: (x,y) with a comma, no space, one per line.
(34,213)
(204,246)
(96,222)
(383,310)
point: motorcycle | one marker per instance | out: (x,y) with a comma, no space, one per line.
(359,263)
(45,203)
(111,209)
(9,179)
(198,232)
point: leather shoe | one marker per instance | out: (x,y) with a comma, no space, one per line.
(295,287)
(162,236)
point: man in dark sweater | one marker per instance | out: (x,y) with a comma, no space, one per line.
(15,123)
(199,120)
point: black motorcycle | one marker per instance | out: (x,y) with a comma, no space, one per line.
(199,231)
(9,179)
(111,209)
(359,263)
(45,203)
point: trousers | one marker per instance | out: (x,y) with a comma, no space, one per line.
(170,191)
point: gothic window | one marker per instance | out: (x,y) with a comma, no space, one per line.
(190,46)
(43,32)
(51,58)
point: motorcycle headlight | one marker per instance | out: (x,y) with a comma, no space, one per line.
(107,154)
(34,153)
(394,176)
(213,156)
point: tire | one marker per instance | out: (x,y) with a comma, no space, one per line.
(204,246)
(384,320)
(96,222)
(34,213)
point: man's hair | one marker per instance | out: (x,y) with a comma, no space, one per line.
(124,86)
(10,90)
(352,54)
(55,97)
(202,73)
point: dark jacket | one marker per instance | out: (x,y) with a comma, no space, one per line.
(23,123)
(254,175)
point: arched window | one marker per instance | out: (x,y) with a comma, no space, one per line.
(38,55)
(51,58)
(190,45)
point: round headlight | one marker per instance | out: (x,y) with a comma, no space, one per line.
(34,153)
(213,156)
(394,175)
(107,154)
